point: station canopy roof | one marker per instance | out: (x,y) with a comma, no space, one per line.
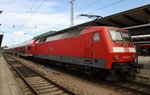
(137,16)
(142,39)
(133,17)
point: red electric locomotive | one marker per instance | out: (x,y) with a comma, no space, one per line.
(103,50)
(107,50)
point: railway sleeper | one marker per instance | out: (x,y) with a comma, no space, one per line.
(42,88)
(37,82)
(26,89)
(30,79)
(42,85)
(57,92)
(48,90)
(36,78)
(42,82)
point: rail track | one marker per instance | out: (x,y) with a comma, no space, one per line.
(38,83)
(142,89)
(136,87)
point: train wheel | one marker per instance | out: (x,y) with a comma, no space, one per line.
(112,76)
(102,74)
(90,73)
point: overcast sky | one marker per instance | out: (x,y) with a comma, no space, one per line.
(23,19)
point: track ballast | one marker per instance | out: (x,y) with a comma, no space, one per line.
(38,83)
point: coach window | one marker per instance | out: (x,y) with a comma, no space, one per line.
(96,37)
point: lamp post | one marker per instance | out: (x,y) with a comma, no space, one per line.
(72,13)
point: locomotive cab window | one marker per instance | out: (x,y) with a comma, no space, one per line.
(126,37)
(119,35)
(115,35)
(96,37)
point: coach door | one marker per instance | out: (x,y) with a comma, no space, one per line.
(88,48)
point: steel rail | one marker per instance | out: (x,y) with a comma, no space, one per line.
(134,86)
(32,88)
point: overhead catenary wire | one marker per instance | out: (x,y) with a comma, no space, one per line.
(106,6)
(90,4)
(33,5)
(33,12)
(75,10)
(95,10)
(103,7)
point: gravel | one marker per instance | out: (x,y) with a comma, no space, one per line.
(79,85)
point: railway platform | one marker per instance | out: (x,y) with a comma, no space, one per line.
(144,75)
(145,60)
(7,82)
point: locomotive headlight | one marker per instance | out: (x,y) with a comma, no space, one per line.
(117,57)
